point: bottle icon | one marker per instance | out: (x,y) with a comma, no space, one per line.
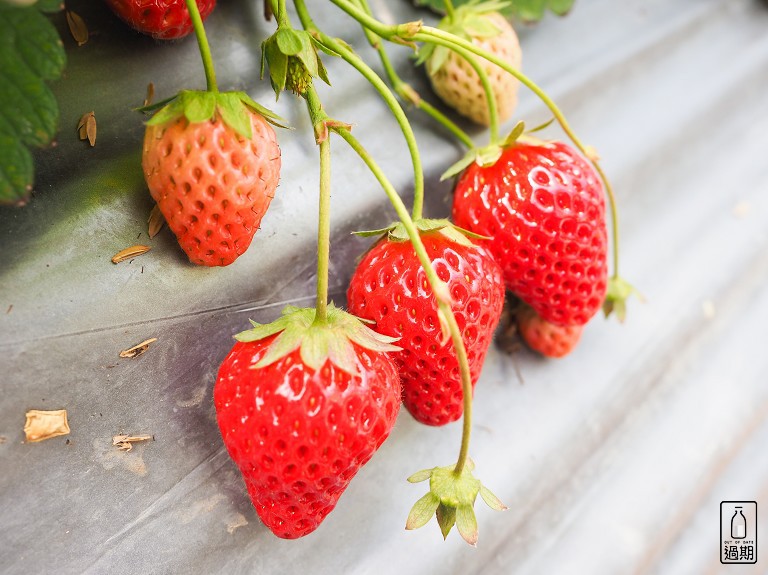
(738,524)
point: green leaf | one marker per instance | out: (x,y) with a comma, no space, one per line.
(234,114)
(31,53)
(199,106)
(516,132)
(460,166)
(525,10)
(422,511)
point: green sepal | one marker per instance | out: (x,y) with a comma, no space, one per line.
(446,519)
(468,21)
(397,232)
(485,156)
(420,476)
(619,291)
(422,511)
(455,495)
(317,342)
(200,106)
(293,61)
(514,134)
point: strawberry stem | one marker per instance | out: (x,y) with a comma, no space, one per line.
(318,117)
(406,92)
(448,8)
(415,32)
(350,57)
(438,287)
(429,34)
(202,43)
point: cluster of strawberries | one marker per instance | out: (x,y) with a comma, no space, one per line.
(301,404)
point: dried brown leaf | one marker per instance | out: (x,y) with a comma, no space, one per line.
(41,425)
(86,128)
(150,94)
(129,253)
(138,349)
(77,27)
(156,221)
(125,442)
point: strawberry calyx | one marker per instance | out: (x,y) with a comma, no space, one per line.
(616,296)
(200,106)
(396,231)
(318,341)
(468,21)
(451,499)
(489,155)
(293,60)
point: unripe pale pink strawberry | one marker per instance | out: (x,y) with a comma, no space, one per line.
(456,82)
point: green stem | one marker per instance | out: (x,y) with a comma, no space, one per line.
(391,101)
(202,43)
(439,288)
(429,34)
(490,97)
(406,92)
(448,8)
(318,116)
(412,31)
(282,14)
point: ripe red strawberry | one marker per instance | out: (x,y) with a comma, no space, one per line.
(213,182)
(161,19)
(547,338)
(455,81)
(300,420)
(390,288)
(544,208)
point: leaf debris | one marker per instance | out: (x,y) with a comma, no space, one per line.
(156,221)
(41,425)
(150,94)
(129,253)
(86,128)
(138,349)
(125,442)
(77,27)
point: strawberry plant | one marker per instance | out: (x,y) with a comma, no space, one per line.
(303,402)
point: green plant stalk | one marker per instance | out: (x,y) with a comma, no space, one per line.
(406,92)
(282,14)
(448,8)
(437,287)
(414,32)
(202,43)
(449,40)
(317,116)
(389,98)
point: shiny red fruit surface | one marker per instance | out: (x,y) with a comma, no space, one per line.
(544,209)
(389,287)
(161,19)
(299,435)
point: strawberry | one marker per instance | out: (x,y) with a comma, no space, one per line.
(452,77)
(212,174)
(547,338)
(161,19)
(389,287)
(301,407)
(543,206)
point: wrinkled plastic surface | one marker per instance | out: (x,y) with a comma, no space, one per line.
(613,460)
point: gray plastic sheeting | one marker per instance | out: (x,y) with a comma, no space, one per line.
(613,460)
